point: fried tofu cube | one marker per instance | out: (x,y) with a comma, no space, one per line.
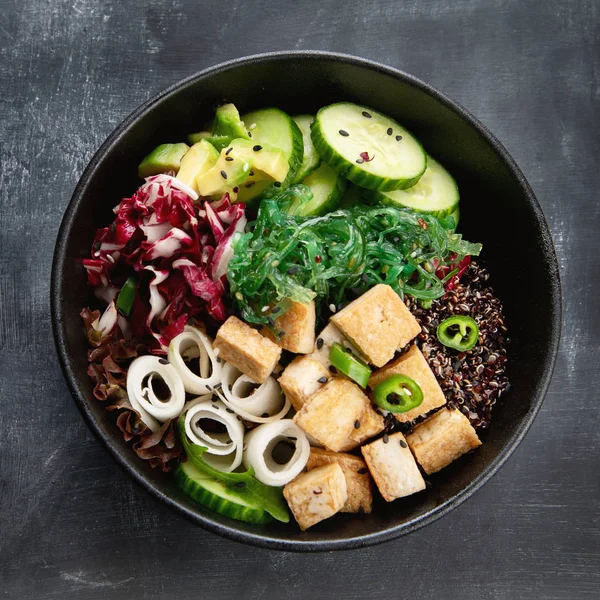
(247,350)
(330,414)
(441,439)
(316,495)
(414,365)
(393,467)
(298,323)
(301,379)
(329,336)
(371,424)
(358,480)
(378,323)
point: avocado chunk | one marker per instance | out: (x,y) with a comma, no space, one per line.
(229,172)
(229,123)
(218,141)
(266,160)
(164,158)
(198,159)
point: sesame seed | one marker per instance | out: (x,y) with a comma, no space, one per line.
(332,308)
(223,175)
(249,134)
(97,245)
(229,410)
(365,278)
(252,126)
(281,333)
(251,173)
(240,484)
(332,369)
(357,424)
(362,471)
(398,138)
(293,270)
(215,407)
(277,184)
(360,161)
(163,361)
(317,492)
(366,114)
(319,343)
(322,379)
(390,131)
(265,308)
(236,189)
(256,148)
(249,184)
(276,310)
(113,227)
(386,438)
(264,415)
(344,133)
(403,444)
(228,151)
(229,158)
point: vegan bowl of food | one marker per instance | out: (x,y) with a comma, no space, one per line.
(307,300)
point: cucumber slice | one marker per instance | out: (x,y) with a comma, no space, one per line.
(273,127)
(342,132)
(352,197)
(216,495)
(311,159)
(435,193)
(327,187)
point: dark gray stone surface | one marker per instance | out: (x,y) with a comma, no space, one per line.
(72,525)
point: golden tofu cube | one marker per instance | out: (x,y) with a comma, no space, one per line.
(378,323)
(301,379)
(441,439)
(331,413)
(393,467)
(329,336)
(358,480)
(298,323)
(371,424)
(414,365)
(247,350)
(316,495)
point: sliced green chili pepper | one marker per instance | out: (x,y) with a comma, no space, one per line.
(127,296)
(398,394)
(459,332)
(349,365)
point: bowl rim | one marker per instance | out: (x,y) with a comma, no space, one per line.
(205,520)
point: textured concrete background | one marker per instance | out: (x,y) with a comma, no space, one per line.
(72,525)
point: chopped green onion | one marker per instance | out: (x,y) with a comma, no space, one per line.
(349,365)
(127,296)
(459,332)
(398,394)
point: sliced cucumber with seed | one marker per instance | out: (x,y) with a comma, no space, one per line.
(435,193)
(311,159)
(368,148)
(216,495)
(327,187)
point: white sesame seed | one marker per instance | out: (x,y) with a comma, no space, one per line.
(252,126)
(265,308)
(332,308)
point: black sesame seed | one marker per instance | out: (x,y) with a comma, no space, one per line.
(403,444)
(250,134)
(215,407)
(319,343)
(340,306)
(386,438)
(251,173)
(362,470)
(361,510)
(322,379)
(332,369)
(219,360)
(113,227)
(276,310)
(236,189)
(163,361)
(366,114)
(229,158)
(277,184)
(390,131)
(281,333)
(264,415)
(240,484)
(398,138)
(344,133)
(208,387)
(360,161)
(228,151)
(270,321)
(256,148)
(229,410)
(293,270)
(223,175)
(357,424)
(317,492)
(250,184)
(365,278)
(97,245)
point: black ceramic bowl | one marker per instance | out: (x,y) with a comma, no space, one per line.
(498,208)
